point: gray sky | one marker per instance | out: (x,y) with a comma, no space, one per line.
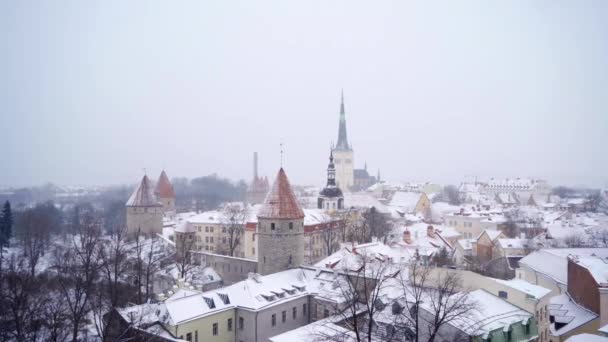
(93,92)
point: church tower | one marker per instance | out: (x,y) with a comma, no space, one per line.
(144,211)
(331,197)
(280,229)
(343,155)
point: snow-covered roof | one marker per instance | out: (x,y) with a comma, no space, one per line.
(143,196)
(348,258)
(513,243)
(567,311)
(523,286)
(553,262)
(363,200)
(587,338)
(316,216)
(421,241)
(491,313)
(405,200)
(596,265)
(323,329)
(492,234)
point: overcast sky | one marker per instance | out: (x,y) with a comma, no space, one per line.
(94,92)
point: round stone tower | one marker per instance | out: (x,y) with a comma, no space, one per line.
(280,229)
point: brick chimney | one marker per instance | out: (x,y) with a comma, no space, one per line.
(430,231)
(407,236)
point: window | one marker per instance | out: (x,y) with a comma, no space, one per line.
(189,337)
(196,336)
(229,325)
(214,329)
(199,229)
(241,323)
(272,226)
(325,313)
(211,229)
(273,320)
(294,313)
(224,230)
(290,259)
(284,316)
(503,294)
(211,239)
(290,225)
(304,309)
(253,237)
(206,229)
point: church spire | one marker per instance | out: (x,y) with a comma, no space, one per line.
(342,138)
(331,170)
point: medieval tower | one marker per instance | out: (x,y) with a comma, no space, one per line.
(344,158)
(165,194)
(280,229)
(331,197)
(144,211)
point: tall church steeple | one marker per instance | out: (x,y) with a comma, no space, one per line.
(342,136)
(331,170)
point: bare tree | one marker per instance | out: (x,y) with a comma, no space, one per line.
(431,301)
(33,234)
(376,225)
(78,269)
(151,265)
(330,236)
(183,258)
(358,288)
(234,219)
(574,240)
(113,257)
(21,301)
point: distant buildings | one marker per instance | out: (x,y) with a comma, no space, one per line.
(258,188)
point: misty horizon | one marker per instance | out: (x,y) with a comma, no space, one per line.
(93,95)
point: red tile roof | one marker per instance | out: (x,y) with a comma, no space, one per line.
(164,188)
(281,202)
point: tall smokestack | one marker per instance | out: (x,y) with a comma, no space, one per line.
(255,165)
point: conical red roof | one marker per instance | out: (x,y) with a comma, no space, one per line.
(281,202)
(143,196)
(164,188)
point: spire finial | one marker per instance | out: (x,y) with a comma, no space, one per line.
(145,173)
(342,102)
(281,144)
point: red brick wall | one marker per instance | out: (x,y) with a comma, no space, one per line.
(582,287)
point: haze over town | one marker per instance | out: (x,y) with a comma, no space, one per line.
(93,94)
